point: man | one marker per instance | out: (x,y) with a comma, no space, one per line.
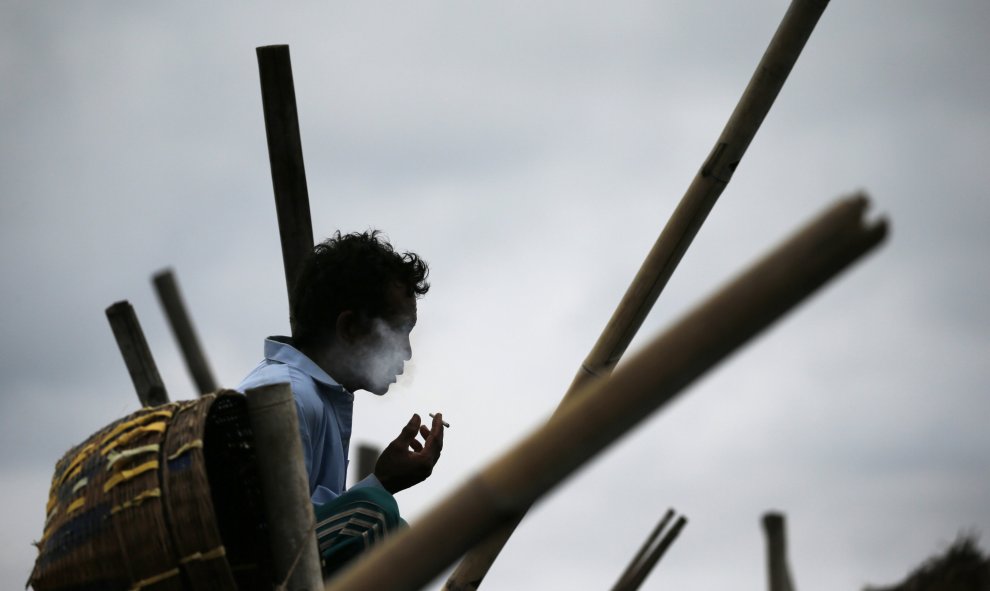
(353,307)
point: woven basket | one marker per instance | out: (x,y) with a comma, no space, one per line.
(165,498)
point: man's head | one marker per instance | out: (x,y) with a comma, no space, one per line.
(353,307)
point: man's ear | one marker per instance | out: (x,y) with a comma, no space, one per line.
(350,326)
(346,326)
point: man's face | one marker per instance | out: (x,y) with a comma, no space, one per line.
(382,348)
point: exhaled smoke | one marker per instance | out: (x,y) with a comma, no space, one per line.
(385,354)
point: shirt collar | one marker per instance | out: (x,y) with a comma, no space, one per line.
(280,349)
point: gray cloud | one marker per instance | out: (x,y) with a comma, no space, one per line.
(531,154)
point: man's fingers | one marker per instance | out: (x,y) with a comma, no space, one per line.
(434,441)
(437,430)
(408,432)
(416,445)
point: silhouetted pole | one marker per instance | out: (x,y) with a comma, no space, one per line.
(607,409)
(643,551)
(170,298)
(278,97)
(778,573)
(367,458)
(646,565)
(137,356)
(708,184)
(285,487)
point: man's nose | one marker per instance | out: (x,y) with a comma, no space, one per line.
(406,349)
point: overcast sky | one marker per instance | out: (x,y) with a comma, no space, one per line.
(530,152)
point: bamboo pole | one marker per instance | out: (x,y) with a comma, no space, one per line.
(643,551)
(285,487)
(646,566)
(607,409)
(778,573)
(706,187)
(782,53)
(278,97)
(137,355)
(170,298)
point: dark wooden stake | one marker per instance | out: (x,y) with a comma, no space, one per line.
(775,65)
(137,355)
(778,573)
(367,458)
(178,319)
(278,97)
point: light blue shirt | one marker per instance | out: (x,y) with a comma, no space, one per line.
(325,411)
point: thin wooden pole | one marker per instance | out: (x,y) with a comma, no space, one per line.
(170,298)
(278,97)
(137,356)
(630,571)
(607,409)
(778,573)
(285,487)
(708,184)
(646,567)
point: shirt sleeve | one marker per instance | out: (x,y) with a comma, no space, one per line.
(307,444)
(369,480)
(322,495)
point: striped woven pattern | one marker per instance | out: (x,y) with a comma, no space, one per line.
(131,508)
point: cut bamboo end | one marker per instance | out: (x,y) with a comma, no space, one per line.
(136,353)
(778,570)
(285,486)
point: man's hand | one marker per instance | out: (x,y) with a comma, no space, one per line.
(406,461)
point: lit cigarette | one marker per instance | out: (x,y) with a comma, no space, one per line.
(445,423)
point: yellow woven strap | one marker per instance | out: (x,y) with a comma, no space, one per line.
(125,475)
(218,552)
(75,505)
(158,427)
(71,475)
(194,444)
(153,493)
(164,413)
(82,482)
(51,515)
(73,466)
(116,455)
(155,579)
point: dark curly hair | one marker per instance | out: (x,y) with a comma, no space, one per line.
(350,272)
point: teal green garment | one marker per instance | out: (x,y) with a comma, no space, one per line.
(352,523)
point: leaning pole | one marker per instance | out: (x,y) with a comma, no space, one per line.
(278,98)
(790,38)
